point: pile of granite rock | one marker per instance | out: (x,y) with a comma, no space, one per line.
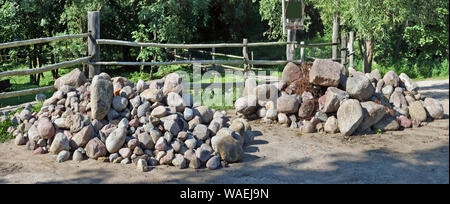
(331,99)
(114,120)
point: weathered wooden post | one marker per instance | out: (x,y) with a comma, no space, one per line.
(302,51)
(350,49)
(252,66)
(245,54)
(344,49)
(213,51)
(335,37)
(93,48)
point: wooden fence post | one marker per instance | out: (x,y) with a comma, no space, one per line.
(213,50)
(252,66)
(334,54)
(290,48)
(351,49)
(344,49)
(302,51)
(93,48)
(245,54)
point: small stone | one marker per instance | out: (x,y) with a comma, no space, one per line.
(45,128)
(159,112)
(161,144)
(141,165)
(404,121)
(63,156)
(331,125)
(246,105)
(179,161)
(125,152)
(176,101)
(116,140)
(19,140)
(213,163)
(142,110)
(188,114)
(95,148)
(77,156)
(119,103)
(201,132)
(203,154)
(60,143)
(172,127)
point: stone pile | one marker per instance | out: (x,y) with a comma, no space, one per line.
(331,99)
(147,123)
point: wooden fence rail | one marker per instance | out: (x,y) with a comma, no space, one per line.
(187,46)
(46,68)
(41,40)
(229,62)
(26,92)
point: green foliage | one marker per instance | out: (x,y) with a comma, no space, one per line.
(4,135)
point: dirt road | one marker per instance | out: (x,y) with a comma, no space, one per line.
(279,155)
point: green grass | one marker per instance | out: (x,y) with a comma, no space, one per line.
(4,135)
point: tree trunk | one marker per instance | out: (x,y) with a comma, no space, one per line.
(366,48)
(368,55)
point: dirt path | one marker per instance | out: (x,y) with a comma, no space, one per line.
(279,155)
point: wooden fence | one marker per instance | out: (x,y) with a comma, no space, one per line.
(93,59)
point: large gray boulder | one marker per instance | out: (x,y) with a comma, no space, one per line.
(230,148)
(410,85)
(350,115)
(288,104)
(326,73)
(373,113)
(331,101)
(391,78)
(246,105)
(173,83)
(152,95)
(101,97)
(291,73)
(387,123)
(75,78)
(359,87)
(417,111)
(434,108)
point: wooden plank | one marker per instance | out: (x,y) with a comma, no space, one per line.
(229,62)
(41,40)
(93,48)
(187,46)
(26,92)
(46,68)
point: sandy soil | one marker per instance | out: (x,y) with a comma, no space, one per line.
(279,155)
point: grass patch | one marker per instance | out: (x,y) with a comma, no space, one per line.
(4,135)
